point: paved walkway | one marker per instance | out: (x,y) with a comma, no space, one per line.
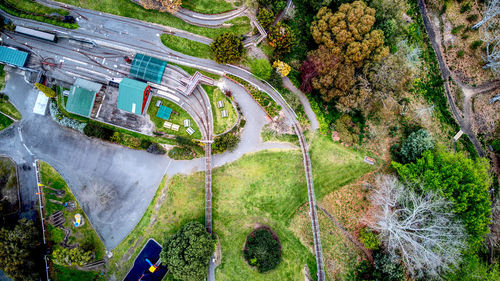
(304,101)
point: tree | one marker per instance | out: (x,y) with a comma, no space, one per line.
(281,38)
(417,228)
(472,269)
(72,257)
(460,180)
(170,6)
(347,32)
(347,42)
(265,18)
(369,239)
(492,10)
(282,67)
(490,34)
(46,90)
(227,48)
(262,249)
(225,142)
(19,251)
(417,143)
(261,68)
(188,252)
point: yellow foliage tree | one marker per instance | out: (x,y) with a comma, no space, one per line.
(283,68)
(170,6)
(46,90)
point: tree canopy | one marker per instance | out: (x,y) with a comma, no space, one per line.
(464,182)
(262,250)
(346,43)
(281,38)
(227,48)
(170,6)
(187,253)
(46,90)
(19,251)
(416,143)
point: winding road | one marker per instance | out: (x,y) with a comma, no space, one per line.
(129,35)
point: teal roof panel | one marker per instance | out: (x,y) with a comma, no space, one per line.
(12,56)
(80,101)
(147,68)
(164,112)
(130,95)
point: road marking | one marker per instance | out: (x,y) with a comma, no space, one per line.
(77,61)
(20,135)
(29,151)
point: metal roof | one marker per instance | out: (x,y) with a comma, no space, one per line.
(80,101)
(89,85)
(130,95)
(147,68)
(35,33)
(13,56)
(164,112)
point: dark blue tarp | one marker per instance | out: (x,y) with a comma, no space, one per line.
(141,267)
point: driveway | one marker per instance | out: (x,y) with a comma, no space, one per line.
(88,165)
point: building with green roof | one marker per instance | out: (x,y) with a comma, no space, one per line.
(81,97)
(13,56)
(133,95)
(147,68)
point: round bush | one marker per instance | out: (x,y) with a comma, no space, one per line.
(262,249)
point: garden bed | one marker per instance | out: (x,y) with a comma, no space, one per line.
(84,236)
(221,124)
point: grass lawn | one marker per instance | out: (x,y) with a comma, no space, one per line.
(9,109)
(173,205)
(221,124)
(127,8)
(186,46)
(84,235)
(267,187)
(191,71)
(174,119)
(34,7)
(4,122)
(8,187)
(207,6)
(269,135)
(61,273)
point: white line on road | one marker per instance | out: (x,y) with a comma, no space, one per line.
(20,135)
(77,61)
(27,149)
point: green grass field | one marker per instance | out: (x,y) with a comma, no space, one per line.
(4,122)
(127,8)
(84,235)
(9,109)
(174,118)
(207,6)
(221,124)
(186,46)
(34,7)
(267,187)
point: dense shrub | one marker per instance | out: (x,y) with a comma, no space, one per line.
(384,268)
(225,142)
(73,257)
(95,130)
(416,143)
(155,148)
(227,48)
(265,18)
(369,239)
(262,250)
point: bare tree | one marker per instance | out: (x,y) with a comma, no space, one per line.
(417,228)
(170,6)
(492,10)
(491,36)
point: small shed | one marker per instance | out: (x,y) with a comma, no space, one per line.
(164,112)
(81,97)
(133,95)
(224,114)
(187,123)
(158,103)
(190,131)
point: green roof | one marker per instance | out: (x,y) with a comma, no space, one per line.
(164,112)
(130,95)
(14,57)
(147,68)
(80,101)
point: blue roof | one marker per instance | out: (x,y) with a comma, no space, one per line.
(147,68)
(12,56)
(164,112)
(130,95)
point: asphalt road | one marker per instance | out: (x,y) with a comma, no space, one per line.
(132,176)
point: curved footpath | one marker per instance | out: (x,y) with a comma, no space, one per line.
(135,43)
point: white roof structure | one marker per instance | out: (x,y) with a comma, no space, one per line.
(190,131)
(224,113)
(41,103)
(220,104)
(187,123)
